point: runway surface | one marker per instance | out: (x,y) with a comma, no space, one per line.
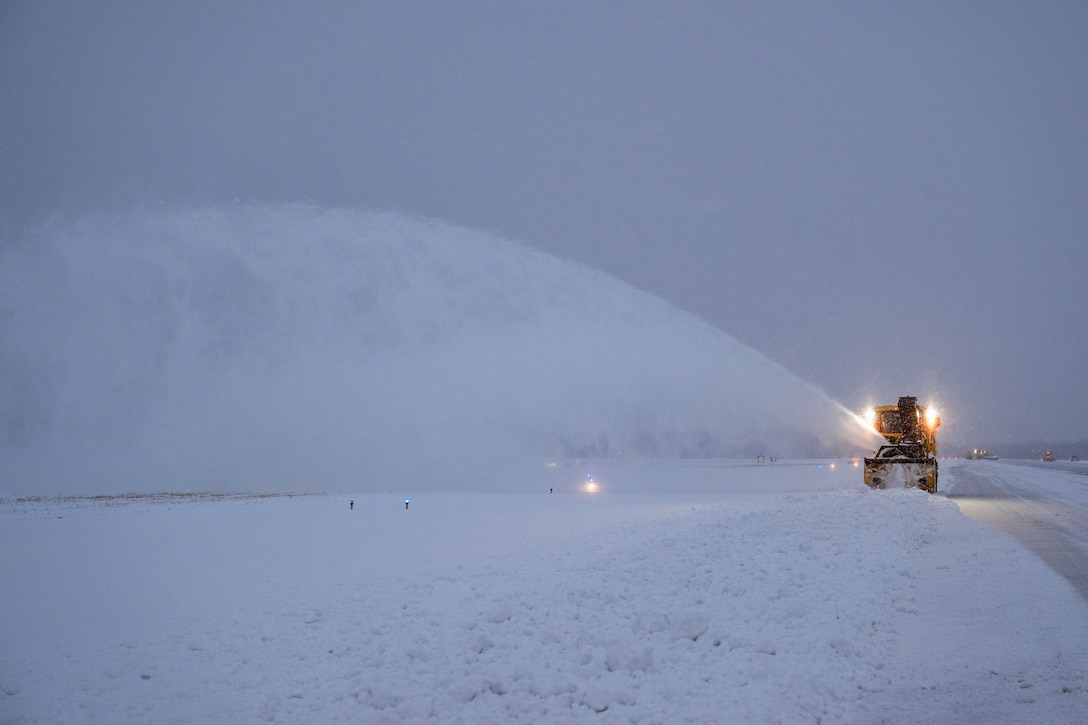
(1042,505)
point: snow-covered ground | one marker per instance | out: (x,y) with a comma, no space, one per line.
(785,593)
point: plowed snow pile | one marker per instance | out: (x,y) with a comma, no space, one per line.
(808,605)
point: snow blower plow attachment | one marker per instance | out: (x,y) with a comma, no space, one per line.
(910,457)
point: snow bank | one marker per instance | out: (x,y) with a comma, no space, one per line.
(788,606)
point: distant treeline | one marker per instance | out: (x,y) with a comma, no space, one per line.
(1061,450)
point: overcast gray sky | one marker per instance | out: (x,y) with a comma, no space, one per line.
(886,198)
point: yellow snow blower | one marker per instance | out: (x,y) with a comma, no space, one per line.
(910,457)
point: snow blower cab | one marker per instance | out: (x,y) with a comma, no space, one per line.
(910,457)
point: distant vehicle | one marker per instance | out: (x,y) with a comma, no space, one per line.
(1074,459)
(1048,456)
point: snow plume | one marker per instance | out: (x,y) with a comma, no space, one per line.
(297,347)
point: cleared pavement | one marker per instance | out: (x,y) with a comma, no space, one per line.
(1043,506)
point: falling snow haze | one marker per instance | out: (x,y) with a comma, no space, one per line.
(302,347)
(885,198)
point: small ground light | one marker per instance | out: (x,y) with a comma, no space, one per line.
(351,504)
(406,504)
